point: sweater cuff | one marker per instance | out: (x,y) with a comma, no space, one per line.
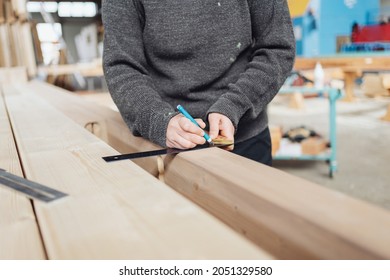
(158,126)
(234,110)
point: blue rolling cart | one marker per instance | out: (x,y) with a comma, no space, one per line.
(333,95)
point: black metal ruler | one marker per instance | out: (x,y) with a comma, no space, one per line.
(168,151)
(29,188)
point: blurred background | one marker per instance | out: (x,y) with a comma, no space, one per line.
(330,123)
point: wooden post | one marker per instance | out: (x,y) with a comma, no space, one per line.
(349,77)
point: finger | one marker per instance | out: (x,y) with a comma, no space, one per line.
(194,138)
(227,130)
(183,143)
(201,123)
(214,121)
(188,126)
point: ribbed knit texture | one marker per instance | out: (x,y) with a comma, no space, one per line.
(224,56)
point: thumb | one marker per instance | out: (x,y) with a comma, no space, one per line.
(214,121)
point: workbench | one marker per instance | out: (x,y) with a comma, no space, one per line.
(332,94)
(122,211)
(112,211)
(351,66)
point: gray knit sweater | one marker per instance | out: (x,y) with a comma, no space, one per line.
(224,56)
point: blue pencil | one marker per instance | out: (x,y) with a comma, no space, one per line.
(188,116)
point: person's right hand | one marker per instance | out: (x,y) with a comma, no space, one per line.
(183,134)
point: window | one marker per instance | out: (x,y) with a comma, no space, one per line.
(49,35)
(64,9)
(77,9)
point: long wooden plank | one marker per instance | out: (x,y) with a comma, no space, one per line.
(13,75)
(109,122)
(19,235)
(349,63)
(289,216)
(114,211)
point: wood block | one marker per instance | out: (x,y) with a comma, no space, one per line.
(313,146)
(19,234)
(113,211)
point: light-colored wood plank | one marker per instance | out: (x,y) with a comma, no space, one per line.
(357,63)
(87,69)
(19,235)
(13,75)
(114,211)
(112,128)
(289,216)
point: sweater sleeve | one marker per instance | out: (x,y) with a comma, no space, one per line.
(271,62)
(126,72)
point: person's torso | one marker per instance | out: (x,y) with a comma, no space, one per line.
(195,48)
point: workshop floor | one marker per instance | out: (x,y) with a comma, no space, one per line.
(363,140)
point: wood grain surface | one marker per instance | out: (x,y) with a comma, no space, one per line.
(113,211)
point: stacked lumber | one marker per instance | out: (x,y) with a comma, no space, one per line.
(16,42)
(287,216)
(116,211)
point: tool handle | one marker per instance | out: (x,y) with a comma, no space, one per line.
(188,116)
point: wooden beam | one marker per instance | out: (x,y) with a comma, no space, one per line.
(113,211)
(112,128)
(288,216)
(13,75)
(19,235)
(358,63)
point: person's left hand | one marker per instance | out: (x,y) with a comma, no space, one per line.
(221,125)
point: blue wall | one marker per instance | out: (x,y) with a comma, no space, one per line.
(329,19)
